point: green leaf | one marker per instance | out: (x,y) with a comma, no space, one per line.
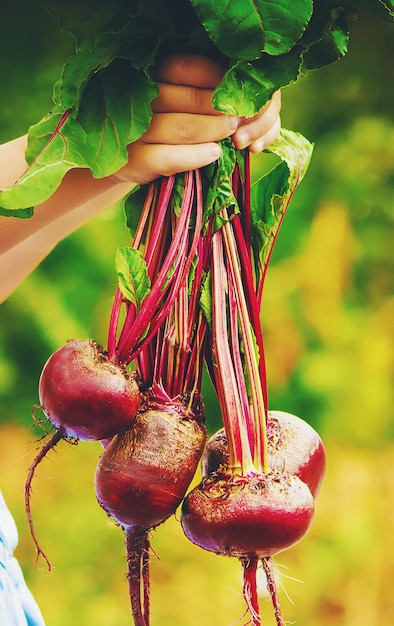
(206,298)
(20,213)
(334,42)
(266,196)
(133,204)
(381,8)
(247,86)
(133,278)
(295,150)
(271,194)
(114,111)
(219,195)
(244,30)
(137,42)
(87,20)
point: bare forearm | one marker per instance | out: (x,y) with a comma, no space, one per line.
(79,198)
(20,259)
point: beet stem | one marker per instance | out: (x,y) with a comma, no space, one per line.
(258,411)
(226,380)
(268,566)
(56,437)
(134,330)
(137,545)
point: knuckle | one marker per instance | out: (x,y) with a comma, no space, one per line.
(187,131)
(195,99)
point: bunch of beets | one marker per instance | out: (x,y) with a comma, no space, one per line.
(189,296)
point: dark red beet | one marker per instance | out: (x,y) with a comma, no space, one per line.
(85,395)
(140,480)
(293,446)
(144,473)
(248,516)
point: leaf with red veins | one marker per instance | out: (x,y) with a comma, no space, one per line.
(114,111)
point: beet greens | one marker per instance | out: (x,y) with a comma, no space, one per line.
(263,46)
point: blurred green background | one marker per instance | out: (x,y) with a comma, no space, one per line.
(328,319)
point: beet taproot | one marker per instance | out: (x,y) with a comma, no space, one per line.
(247,516)
(140,480)
(85,395)
(144,472)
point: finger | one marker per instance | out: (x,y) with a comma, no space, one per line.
(194,70)
(164,160)
(267,139)
(183,99)
(187,128)
(252,129)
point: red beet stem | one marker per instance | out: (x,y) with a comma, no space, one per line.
(251,299)
(56,437)
(134,329)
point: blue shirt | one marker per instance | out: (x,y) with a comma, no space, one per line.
(17,605)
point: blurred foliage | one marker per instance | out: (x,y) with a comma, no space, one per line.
(328,319)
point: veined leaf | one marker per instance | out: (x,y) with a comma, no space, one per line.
(334,42)
(244,30)
(381,8)
(206,298)
(295,150)
(133,278)
(136,42)
(87,20)
(266,196)
(271,194)
(247,86)
(114,111)
(220,194)
(102,99)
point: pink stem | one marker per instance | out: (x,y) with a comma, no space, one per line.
(113,324)
(163,205)
(237,360)
(226,384)
(132,333)
(252,301)
(257,425)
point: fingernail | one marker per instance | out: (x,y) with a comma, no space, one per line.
(233,122)
(215,152)
(260,145)
(243,139)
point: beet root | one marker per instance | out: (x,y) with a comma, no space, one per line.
(141,478)
(85,395)
(245,517)
(144,473)
(293,446)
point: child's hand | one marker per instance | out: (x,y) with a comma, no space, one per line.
(185,127)
(260,131)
